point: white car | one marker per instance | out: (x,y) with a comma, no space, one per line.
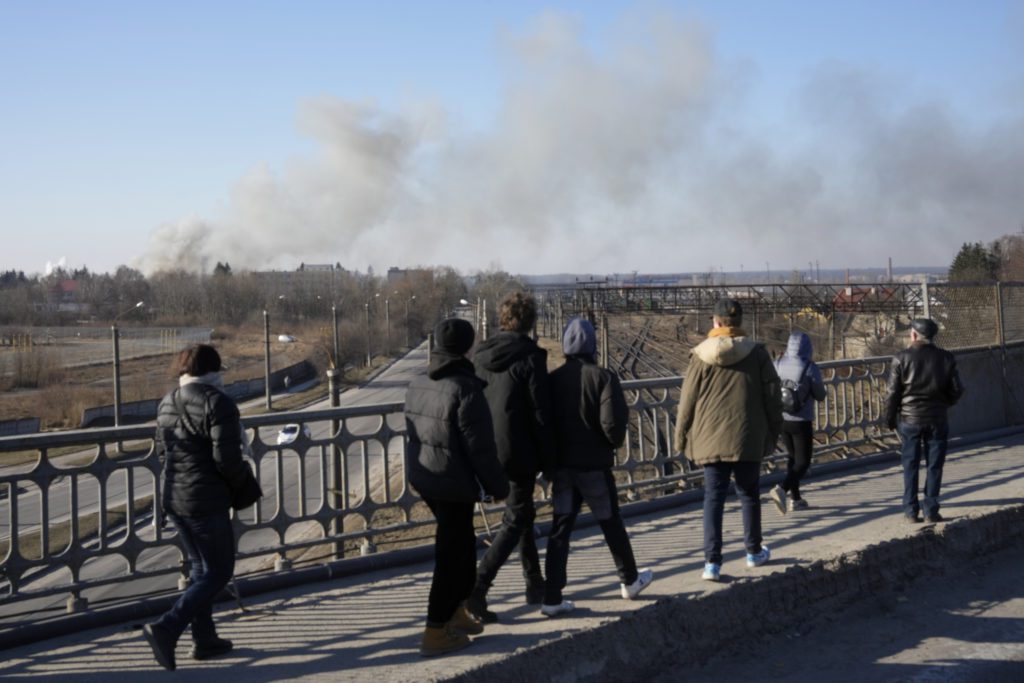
(286,338)
(290,432)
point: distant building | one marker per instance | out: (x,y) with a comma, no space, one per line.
(396,275)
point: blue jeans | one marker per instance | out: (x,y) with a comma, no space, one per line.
(210,544)
(928,441)
(716,487)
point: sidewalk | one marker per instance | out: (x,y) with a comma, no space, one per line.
(368,627)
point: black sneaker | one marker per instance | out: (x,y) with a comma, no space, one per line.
(162,643)
(211,648)
(477,606)
(912,519)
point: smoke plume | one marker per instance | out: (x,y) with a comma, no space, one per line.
(637,158)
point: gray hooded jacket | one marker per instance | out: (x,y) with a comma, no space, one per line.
(790,365)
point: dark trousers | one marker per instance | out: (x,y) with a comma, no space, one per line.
(569,489)
(209,543)
(454,558)
(716,487)
(927,441)
(516,532)
(798,439)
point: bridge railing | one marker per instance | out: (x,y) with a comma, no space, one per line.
(77,512)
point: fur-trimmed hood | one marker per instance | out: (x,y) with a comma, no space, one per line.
(724,350)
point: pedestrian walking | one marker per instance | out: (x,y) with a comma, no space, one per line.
(590,420)
(199,440)
(729,418)
(923,384)
(515,371)
(801,387)
(452,463)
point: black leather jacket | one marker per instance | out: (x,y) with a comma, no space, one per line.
(923,384)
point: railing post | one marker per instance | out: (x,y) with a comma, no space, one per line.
(76,603)
(337,463)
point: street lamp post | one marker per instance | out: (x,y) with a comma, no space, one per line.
(266,357)
(369,356)
(116,339)
(337,346)
(387,326)
(408,343)
(481,316)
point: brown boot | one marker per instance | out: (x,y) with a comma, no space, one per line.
(463,620)
(440,640)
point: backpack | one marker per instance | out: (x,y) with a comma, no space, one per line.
(793,399)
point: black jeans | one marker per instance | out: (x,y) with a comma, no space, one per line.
(569,489)
(516,531)
(927,441)
(454,558)
(716,487)
(798,438)
(210,544)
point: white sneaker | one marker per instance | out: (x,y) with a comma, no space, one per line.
(778,496)
(643,580)
(563,607)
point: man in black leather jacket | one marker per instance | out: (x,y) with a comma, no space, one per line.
(923,384)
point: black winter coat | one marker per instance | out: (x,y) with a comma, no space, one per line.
(516,373)
(923,384)
(200,473)
(590,415)
(450,453)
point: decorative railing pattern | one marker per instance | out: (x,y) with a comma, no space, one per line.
(76,508)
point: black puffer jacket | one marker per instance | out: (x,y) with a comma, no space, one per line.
(451,454)
(200,472)
(590,415)
(923,384)
(515,370)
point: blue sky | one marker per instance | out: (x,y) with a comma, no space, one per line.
(539,137)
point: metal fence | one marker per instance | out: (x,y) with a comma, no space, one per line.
(77,514)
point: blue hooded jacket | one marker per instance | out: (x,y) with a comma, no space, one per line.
(791,366)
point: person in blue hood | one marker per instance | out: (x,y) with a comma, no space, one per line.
(797,429)
(589,420)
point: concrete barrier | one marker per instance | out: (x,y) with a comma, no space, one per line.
(681,630)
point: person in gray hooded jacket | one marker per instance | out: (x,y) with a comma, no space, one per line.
(590,420)
(797,427)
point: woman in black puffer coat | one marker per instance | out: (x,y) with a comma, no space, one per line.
(451,461)
(199,440)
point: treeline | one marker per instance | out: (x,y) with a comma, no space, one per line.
(1001,260)
(228,298)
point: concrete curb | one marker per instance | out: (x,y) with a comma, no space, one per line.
(681,629)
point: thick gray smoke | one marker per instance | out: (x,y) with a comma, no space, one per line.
(637,159)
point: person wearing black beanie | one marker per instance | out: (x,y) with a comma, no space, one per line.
(452,462)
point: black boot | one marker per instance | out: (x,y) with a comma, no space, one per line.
(476,603)
(213,647)
(162,643)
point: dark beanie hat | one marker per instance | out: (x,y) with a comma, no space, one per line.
(453,335)
(925,327)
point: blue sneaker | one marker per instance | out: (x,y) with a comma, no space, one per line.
(712,572)
(757,559)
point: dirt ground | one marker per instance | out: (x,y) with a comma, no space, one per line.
(60,404)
